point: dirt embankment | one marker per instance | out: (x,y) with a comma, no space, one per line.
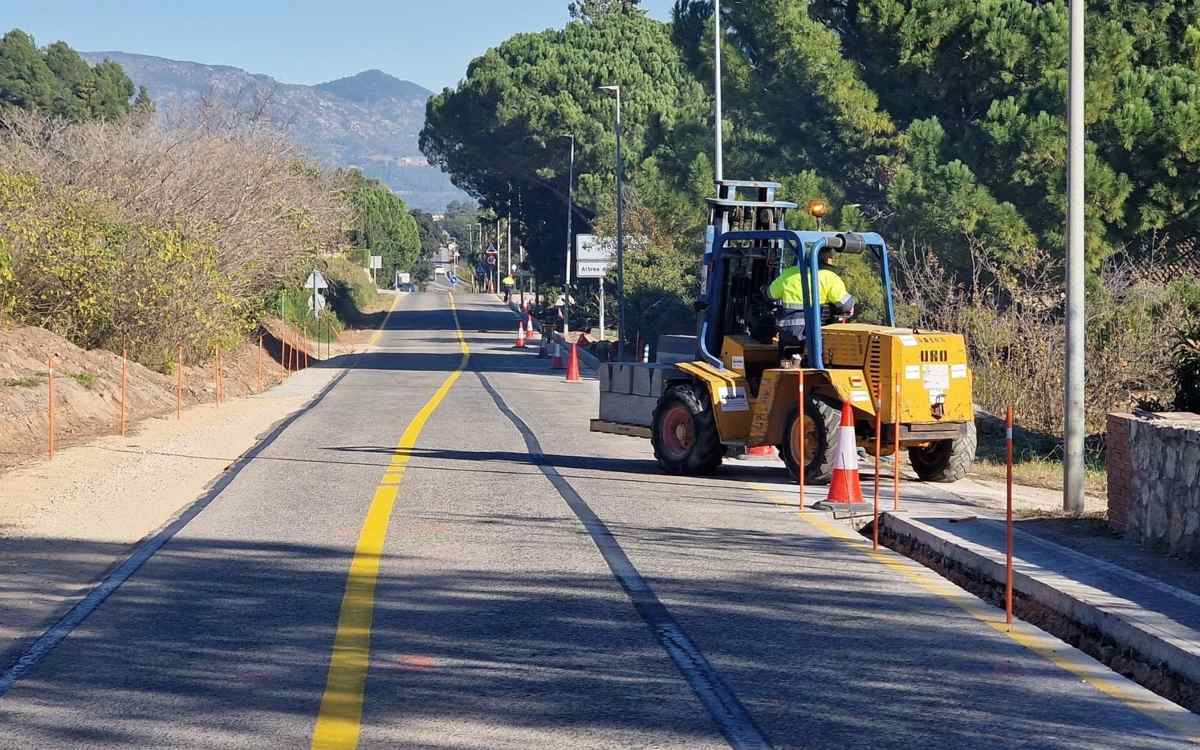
(87,387)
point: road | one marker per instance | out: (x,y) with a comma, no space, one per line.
(437,554)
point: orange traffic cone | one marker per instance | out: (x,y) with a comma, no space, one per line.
(532,332)
(573,365)
(845,490)
(520,335)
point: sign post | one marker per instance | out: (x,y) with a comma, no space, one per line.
(593,260)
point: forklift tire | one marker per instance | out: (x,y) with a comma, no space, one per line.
(826,418)
(945,460)
(684,432)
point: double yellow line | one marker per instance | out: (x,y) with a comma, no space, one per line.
(339,722)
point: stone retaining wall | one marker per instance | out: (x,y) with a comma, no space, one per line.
(1153,463)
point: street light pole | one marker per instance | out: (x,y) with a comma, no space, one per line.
(720,160)
(567,276)
(1073,429)
(620,235)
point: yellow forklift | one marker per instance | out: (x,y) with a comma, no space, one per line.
(733,390)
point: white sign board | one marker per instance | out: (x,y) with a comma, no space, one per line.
(592,269)
(316,281)
(403,277)
(376,262)
(320,301)
(589,248)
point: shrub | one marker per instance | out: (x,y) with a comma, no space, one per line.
(1015,330)
(81,269)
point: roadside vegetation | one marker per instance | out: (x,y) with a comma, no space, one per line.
(116,231)
(938,124)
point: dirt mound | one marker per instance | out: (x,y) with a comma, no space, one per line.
(87,388)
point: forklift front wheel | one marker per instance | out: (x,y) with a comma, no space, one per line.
(821,421)
(684,434)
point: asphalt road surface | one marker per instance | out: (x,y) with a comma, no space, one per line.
(438,554)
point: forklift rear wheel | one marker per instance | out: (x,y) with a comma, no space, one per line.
(945,460)
(684,434)
(821,422)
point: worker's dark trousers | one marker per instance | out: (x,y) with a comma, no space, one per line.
(791,333)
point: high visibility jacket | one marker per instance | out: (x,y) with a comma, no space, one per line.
(509,281)
(831,290)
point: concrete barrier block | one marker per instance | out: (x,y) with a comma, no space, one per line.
(605,374)
(621,380)
(626,409)
(642,377)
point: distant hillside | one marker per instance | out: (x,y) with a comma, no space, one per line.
(370,120)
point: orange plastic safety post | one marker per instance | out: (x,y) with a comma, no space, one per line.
(1008,522)
(179,382)
(124,390)
(50,409)
(802,456)
(896,450)
(878,450)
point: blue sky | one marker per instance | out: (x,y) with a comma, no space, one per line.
(301,41)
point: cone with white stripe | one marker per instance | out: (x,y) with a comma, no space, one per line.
(520,335)
(845,488)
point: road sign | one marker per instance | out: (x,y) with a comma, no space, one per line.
(492,250)
(592,269)
(316,281)
(590,248)
(454,280)
(376,262)
(491,260)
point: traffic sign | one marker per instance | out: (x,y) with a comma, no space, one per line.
(491,260)
(376,262)
(492,250)
(591,248)
(592,269)
(316,281)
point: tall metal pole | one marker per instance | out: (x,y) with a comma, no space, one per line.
(620,241)
(1074,411)
(720,160)
(570,241)
(508,226)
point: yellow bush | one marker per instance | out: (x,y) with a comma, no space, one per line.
(73,265)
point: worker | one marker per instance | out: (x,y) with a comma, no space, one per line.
(788,290)
(509,283)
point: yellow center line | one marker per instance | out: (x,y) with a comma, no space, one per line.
(1062,655)
(339,721)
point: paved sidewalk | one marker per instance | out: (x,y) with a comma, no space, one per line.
(1144,617)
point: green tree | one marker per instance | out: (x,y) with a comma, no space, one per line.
(945,119)
(58,82)
(429,232)
(26,81)
(381,225)
(590,10)
(500,133)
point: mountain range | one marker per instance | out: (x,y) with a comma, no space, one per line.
(370,120)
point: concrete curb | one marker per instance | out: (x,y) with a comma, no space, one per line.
(1153,638)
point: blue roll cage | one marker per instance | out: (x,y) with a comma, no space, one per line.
(806,246)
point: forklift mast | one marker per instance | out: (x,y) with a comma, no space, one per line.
(747,248)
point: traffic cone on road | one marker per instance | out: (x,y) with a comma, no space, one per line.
(520,335)
(573,365)
(531,332)
(845,489)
